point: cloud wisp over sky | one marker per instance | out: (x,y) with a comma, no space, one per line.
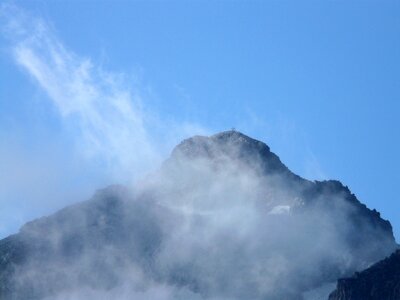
(110,125)
(108,115)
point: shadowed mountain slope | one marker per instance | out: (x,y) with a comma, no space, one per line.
(380,281)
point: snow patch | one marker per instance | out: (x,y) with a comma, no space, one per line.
(280,210)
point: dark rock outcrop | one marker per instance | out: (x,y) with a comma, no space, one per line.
(380,281)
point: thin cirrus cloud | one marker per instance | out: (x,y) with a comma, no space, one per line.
(112,123)
(110,132)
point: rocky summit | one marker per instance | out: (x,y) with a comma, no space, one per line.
(222,218)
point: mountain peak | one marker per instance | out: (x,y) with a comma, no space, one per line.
(225,187)
(226,142)
(228,136)
(231,145)
(234,135)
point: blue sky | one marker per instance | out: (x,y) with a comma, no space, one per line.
(318,81)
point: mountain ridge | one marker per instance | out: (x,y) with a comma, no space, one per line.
(207,187)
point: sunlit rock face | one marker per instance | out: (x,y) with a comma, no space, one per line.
(223,218)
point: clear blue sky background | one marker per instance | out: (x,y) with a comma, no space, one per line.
(318,81)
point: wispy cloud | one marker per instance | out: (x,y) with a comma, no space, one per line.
(110,133)
(113,126)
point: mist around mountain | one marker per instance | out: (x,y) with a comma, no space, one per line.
(222,218)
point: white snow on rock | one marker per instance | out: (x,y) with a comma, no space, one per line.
(280,210)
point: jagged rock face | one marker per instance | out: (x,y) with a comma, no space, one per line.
(223,218)
(380,281)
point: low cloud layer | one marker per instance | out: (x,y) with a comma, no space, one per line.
(219,220)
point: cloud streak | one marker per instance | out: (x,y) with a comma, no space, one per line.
(108,133)
(109,115)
